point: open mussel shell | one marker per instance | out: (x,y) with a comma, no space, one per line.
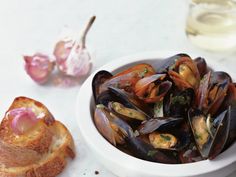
(169,63)
(146,151)
(151,125)
(210,136)
(177,103)
(111,127)
(212,92)
(126,79)
(133,101)
(152,89)
(143,83)
(163,133)
(184,73)
(103,124)
(125,112)
(99,78)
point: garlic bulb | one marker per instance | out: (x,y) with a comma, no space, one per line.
(72,57)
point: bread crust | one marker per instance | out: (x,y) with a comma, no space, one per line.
(46,160)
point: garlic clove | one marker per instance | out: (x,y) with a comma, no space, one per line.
(23,119)
(38,67)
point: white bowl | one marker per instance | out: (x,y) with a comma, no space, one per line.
(124,165)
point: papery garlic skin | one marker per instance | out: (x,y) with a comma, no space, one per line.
(72,57)
(23,119)
(75,62)
(61,52)
(39,67)
(83,66)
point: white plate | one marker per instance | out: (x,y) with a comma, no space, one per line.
(122,164)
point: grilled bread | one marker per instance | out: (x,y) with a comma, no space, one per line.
(40,152)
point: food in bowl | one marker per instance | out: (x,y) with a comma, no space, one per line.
(178,112)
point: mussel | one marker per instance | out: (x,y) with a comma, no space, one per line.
(169,63)
(152,88)
(99,78)
(212,92)
(184,73)
(126,112)
(146,151)
(163,134)
(124,105)
(209,134)
(111,127)
(133,101)
(127,79)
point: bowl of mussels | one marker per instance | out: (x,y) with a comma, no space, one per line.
(160,114)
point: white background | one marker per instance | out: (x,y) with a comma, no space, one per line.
(122,27)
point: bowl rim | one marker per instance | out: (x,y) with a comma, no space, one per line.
(98,143)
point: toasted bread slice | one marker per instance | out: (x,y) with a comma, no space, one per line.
(24,159)
(39,139)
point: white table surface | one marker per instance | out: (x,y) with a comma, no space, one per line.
(122,28)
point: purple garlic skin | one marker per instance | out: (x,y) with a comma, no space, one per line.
(71,62)
(39,67)
(23,120)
